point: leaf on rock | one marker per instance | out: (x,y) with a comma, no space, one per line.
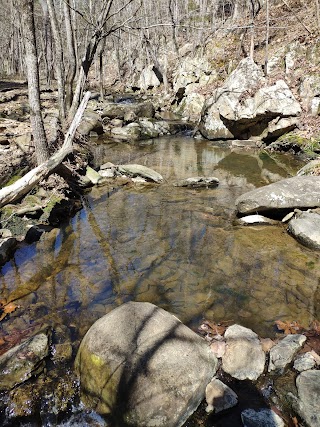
(5,309)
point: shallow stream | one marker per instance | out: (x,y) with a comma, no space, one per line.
(175,247)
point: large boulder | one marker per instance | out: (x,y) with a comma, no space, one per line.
(144,367)
(291,193)
(245,106)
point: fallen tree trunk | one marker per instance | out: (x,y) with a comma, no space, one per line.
(21,187)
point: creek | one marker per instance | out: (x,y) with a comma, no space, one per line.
(175,247)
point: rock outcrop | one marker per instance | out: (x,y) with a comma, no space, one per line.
(245,107)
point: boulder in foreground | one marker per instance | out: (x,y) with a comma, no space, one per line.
(141,365)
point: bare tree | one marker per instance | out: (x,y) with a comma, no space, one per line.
(26,8)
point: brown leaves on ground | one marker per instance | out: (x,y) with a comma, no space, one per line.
(289,327)
(210,330)
(294,327)
(312,333)
(6,308)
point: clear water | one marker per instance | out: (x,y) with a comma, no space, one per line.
(175,247)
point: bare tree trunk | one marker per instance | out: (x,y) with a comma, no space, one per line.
(28,28)
(267,39)
(72,63)
(59,59)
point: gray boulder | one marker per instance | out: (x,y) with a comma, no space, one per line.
(140,170)
(115,110)
(308,385)
(142,365)
(191,106)
(291,193)
(305,227)
(282,353)
(23,361)
(261,418)
(304,362)
(90,123)
(244,357)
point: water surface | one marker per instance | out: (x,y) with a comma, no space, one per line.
(175,247)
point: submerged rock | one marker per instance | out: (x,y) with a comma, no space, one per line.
(306,229)
(282,353)
(308,384)
(219,396)
(23,361)
(291,193)
(261,418)
(140,170)
(198,182)
(244,357)
(142,365)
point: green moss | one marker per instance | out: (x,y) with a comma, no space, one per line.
(12,180)
(309,145)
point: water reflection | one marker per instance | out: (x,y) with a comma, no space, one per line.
(171,246)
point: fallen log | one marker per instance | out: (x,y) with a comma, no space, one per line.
(21,187)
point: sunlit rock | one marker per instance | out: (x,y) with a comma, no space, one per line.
(305,227)
(143,366)
(244,106)
(283,352)
(140,170)
(256,220)
(291,193)
(244,357)
(308,384)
